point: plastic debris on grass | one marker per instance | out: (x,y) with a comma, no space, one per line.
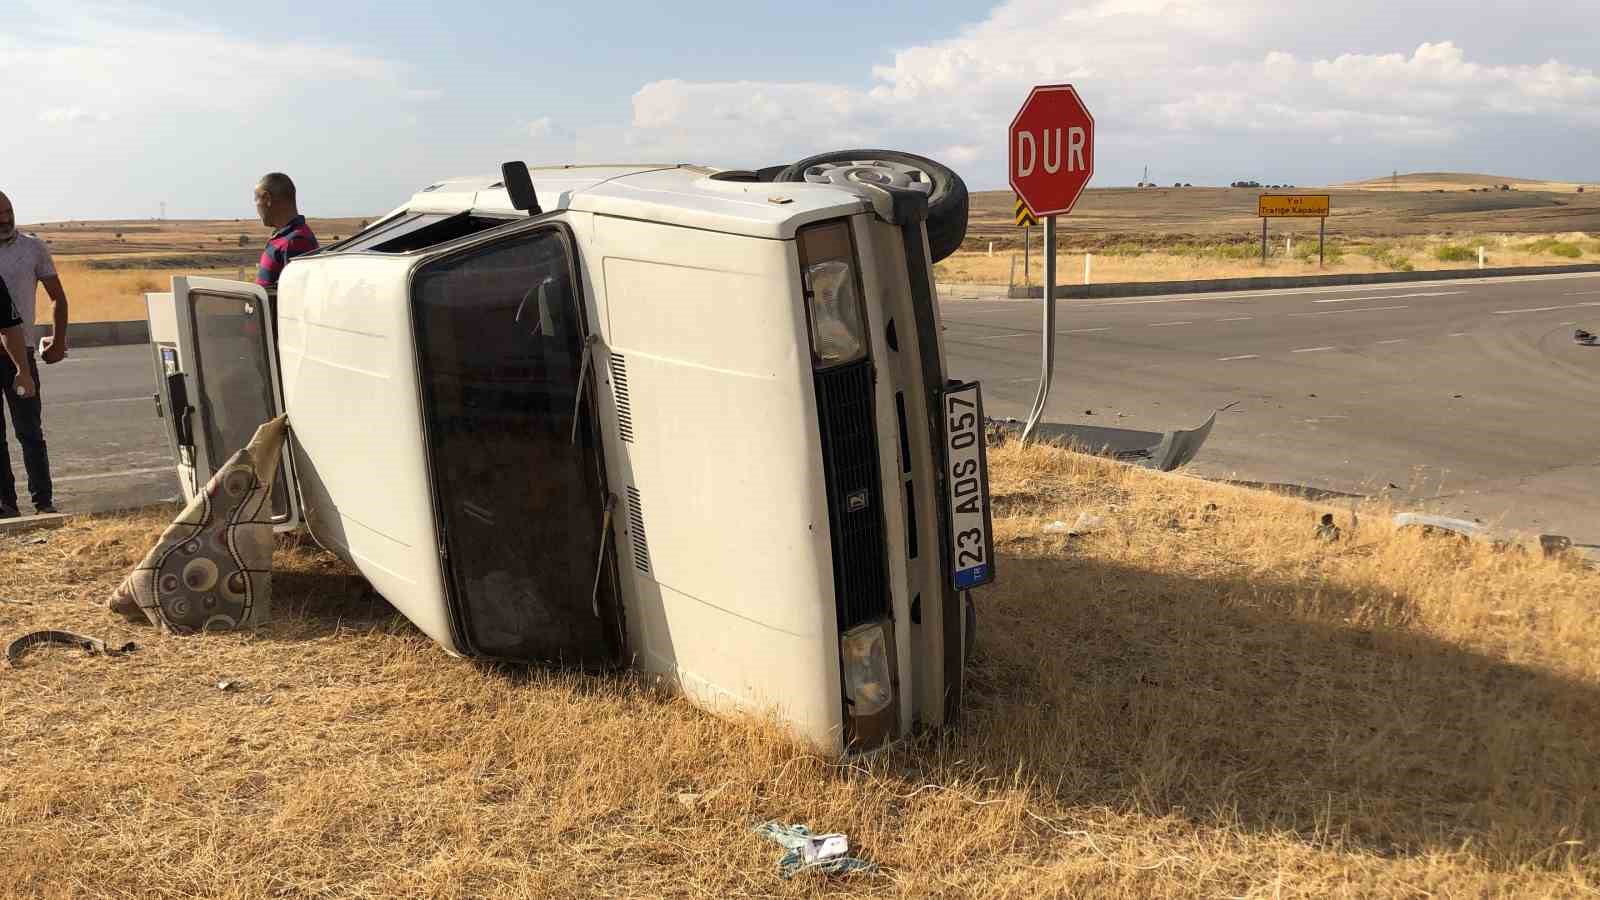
(804,851)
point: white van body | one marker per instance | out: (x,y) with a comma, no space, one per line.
(604,433)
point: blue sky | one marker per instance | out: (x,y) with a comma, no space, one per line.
(111,109)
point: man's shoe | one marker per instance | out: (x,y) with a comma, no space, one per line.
(45,509)
(9,512)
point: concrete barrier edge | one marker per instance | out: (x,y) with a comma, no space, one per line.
(103,334)
(137,331)
(1150,288)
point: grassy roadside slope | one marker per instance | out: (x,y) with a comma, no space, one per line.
(1198,700)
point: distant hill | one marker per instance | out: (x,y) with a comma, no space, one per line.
(1458,181)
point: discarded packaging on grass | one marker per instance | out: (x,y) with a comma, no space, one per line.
(1086,523)
(808,852)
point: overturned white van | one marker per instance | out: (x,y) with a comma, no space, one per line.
(688,420)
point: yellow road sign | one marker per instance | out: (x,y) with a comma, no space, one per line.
(1025,216)
(1293,206)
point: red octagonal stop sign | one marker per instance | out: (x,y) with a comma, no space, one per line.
(1051,157)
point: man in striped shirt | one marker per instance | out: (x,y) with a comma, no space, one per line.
(275,203)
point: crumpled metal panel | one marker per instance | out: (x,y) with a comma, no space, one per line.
(1162,451)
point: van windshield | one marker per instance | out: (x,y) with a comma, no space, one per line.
(500,342)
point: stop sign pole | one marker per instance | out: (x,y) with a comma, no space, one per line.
(1050,159)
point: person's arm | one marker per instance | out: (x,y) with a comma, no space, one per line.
(15,342)
(58,334)
(44,269)
(17,348)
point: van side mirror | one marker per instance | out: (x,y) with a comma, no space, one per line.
(519,185)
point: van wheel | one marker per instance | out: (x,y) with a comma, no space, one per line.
(971,649)
(947,193)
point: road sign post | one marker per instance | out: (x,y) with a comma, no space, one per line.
(1026,219)
(1294,206)
(1050,159)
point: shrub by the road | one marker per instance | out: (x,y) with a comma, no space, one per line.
(1554,247)
(1235,250)
(1332,254)
(1390,257)
(1455,253)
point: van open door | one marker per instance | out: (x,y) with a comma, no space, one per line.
(172,387)
(217,380)
(522,509)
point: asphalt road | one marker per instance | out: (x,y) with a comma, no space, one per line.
(107,448)
(1469,396)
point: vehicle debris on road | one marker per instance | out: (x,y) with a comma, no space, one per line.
(1550,545)
(90,646)
(1163,451)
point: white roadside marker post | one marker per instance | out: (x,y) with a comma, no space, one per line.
(1027,253)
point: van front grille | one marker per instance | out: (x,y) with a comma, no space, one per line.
(855,496)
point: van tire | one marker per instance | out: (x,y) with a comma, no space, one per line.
(947,197)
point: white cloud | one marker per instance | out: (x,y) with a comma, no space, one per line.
(540,127)
(1189,84)
(202,112)
(67,115)
(134,58)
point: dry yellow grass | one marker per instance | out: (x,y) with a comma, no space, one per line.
(1159,263)
(1462,181)
(117,295)
(1193,702)
(108,266)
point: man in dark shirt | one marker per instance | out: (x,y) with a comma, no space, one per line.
(275,203)
(16,376)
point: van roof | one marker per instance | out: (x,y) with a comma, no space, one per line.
(685,195)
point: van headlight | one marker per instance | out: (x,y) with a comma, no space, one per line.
(833,296)
(865,650)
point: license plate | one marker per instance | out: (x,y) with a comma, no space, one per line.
(967,486)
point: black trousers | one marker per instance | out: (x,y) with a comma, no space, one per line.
(27,422)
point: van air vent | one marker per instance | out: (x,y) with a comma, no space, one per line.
(619,389)
(641,550)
